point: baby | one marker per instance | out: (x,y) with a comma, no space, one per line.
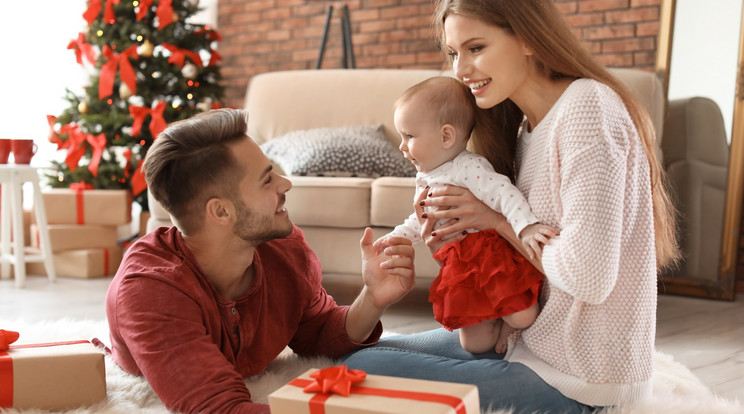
(485,287)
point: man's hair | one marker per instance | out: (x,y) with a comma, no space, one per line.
(190,162)
(449,98)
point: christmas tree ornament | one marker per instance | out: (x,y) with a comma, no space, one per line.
(134,63)
(189,71)
(204,105)
(146,49)
(124,91)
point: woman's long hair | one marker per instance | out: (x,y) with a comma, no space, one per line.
(559,54)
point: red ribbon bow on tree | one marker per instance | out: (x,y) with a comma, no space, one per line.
(164,13)
(178,55)
(157,121)
(142,8)
(82,48)
(95,7)
(137,180)
(7,338)
(335,380)
(98,143)
(108,70)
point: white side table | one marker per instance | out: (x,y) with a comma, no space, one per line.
(12,178)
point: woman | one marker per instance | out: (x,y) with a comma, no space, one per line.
(583,152)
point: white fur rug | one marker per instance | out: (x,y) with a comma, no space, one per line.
(676,389)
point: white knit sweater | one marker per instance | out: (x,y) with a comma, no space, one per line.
(583,170)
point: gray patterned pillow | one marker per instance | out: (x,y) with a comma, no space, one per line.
(353,151)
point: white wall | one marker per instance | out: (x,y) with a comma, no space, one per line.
(705,53)
(35,67)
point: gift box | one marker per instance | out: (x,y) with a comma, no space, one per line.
(102,207)
(322,391)
(81,263)
(54,376)
(76,236)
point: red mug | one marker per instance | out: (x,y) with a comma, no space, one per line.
(4,150)
(23,150)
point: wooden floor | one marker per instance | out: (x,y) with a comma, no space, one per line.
(706,336)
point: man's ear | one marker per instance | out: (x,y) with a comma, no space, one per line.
(219,210)
(449,136)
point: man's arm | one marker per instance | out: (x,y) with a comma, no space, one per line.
(386,280)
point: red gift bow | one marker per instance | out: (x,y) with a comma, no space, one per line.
(7,338)
(164,13)
(95,7)
(335,380)
(82,48)
(317,402)
(157,121)
(79,202)
(108,70)
(6,369)
(178,55)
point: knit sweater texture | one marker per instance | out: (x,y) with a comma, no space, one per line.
(584,171)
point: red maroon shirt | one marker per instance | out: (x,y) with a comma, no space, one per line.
(168,323)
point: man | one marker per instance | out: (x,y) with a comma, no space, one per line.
(197,307)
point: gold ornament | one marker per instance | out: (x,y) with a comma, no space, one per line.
(124,91)
(175,17)
(83,107)
(145,49)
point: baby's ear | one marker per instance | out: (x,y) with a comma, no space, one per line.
(449,136)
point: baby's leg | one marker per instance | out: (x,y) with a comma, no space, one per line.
(524,318)
(481,337)
(517,320)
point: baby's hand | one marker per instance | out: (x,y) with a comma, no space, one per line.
(380,244)
(535,236)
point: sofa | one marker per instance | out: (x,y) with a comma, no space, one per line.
(333,210)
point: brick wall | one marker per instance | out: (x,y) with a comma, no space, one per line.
(271,35)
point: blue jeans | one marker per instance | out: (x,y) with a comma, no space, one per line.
(437,355)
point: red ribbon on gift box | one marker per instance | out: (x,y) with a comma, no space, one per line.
(338,379)
(6,364)
(79,202)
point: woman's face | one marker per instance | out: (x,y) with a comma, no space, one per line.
(493,62)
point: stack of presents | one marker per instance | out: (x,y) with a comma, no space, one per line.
(83,231)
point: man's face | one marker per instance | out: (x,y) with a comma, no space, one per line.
(259,203)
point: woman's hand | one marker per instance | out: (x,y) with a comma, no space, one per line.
(463,210)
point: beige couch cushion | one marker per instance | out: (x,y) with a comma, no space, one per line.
(324,202)
(280,102)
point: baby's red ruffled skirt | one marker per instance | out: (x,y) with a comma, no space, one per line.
(482,277)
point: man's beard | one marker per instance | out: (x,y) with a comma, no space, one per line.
(256,229)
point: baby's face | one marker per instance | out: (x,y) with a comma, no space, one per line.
(421,136)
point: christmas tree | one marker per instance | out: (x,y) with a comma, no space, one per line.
(149,66)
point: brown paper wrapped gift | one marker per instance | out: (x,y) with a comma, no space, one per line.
(81,263)
(54,376)
(374,394)
(103,207)
(75,236)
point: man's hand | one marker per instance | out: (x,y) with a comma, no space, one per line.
(387,268)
